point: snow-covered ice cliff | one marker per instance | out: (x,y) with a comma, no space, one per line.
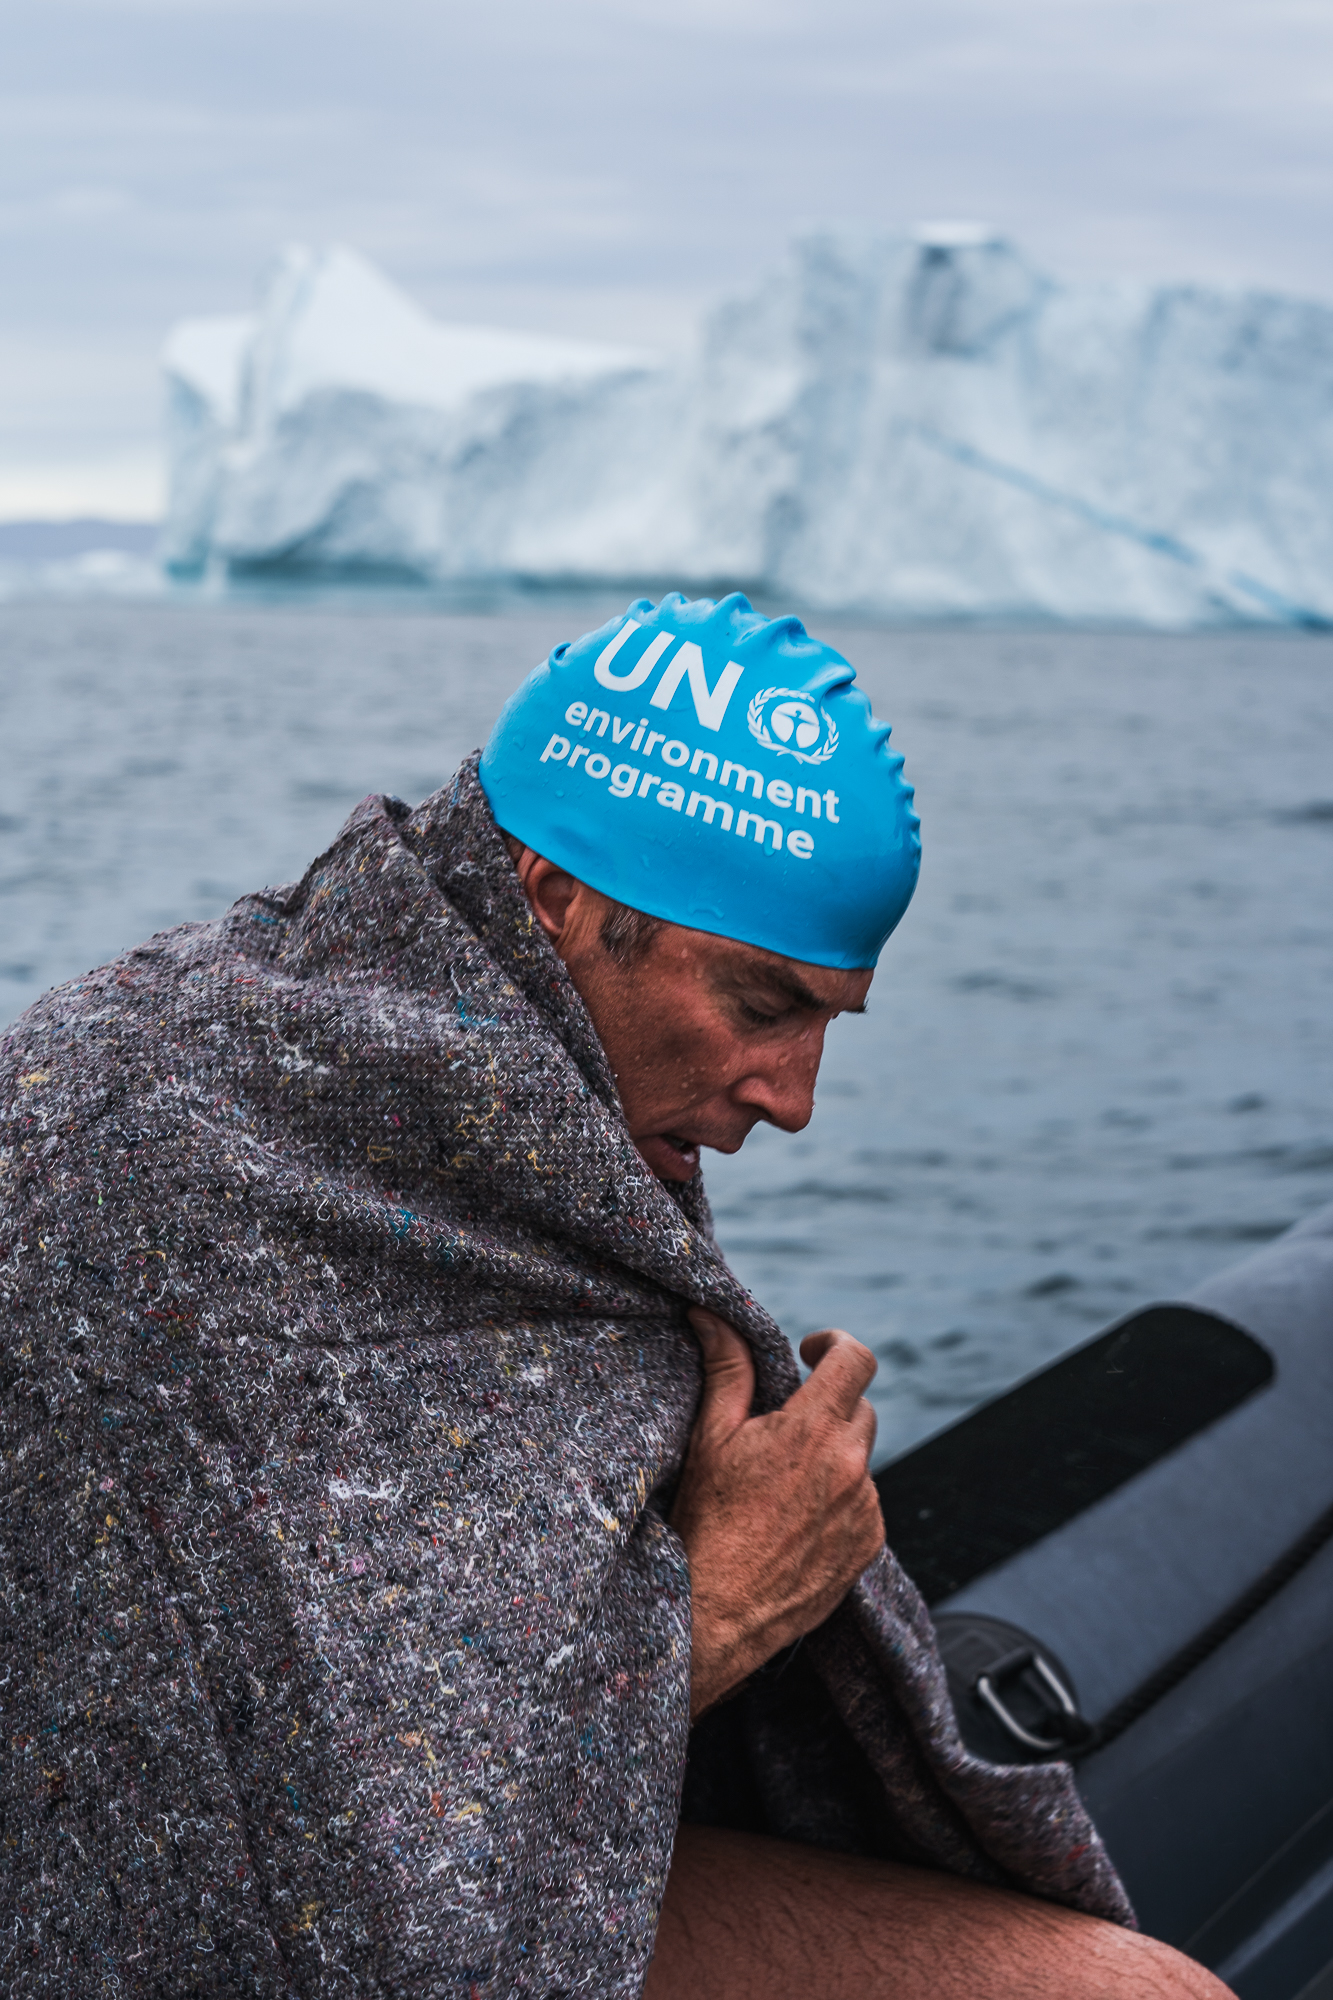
(911,426)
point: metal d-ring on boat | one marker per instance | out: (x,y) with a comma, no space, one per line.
(1026,1659)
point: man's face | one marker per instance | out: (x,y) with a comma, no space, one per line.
(705,1036)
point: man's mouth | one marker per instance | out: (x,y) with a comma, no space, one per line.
(670,1155)
(685,1149)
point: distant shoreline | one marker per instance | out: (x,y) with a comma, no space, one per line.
(57,541)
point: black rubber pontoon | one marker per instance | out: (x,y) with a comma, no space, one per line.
(1130,1561)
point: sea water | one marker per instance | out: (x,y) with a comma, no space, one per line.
(1098,1059)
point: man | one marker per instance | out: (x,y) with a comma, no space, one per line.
(369,1544)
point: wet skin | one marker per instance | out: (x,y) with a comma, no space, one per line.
(778,1513)
(706,1037)
(779,1517)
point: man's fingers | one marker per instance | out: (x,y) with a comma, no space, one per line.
(863,1426)
(843,1370)
(728,1375)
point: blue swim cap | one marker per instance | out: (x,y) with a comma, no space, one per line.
(717,768)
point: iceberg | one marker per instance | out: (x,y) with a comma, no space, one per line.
(914,426)
(329,430)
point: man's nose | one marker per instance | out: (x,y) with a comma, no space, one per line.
(782,1087)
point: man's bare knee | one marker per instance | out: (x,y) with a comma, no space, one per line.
(747,1918)
(1154,1971)
(998,1945)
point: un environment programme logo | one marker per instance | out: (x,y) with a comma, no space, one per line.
(784,720)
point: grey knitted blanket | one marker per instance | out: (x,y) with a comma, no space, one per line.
(346,1377)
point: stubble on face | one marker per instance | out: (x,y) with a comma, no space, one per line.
(708,1037)
(705,1036)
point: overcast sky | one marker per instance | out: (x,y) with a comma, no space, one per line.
(604,167)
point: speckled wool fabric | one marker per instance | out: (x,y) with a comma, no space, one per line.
(345,1647)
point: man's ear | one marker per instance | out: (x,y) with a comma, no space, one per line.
(549,890)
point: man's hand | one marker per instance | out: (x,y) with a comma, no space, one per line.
(778,1514)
